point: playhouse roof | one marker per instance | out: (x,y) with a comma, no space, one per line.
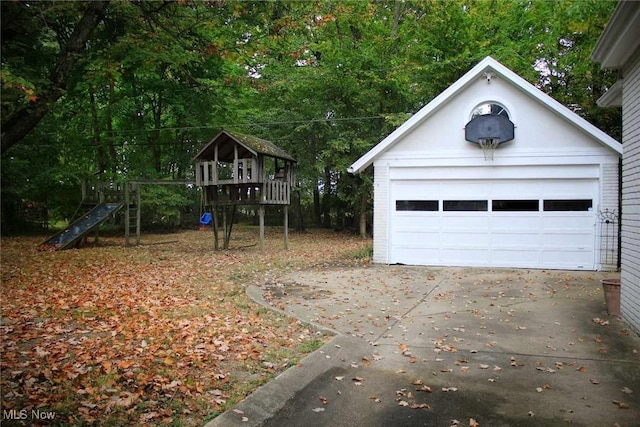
(247,145)
(479,71)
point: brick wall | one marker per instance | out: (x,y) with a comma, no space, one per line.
(380,213)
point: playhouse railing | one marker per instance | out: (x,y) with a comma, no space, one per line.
(276,192)
(242,171)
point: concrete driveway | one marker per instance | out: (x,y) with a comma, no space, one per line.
(419,346)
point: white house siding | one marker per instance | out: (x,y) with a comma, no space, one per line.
(630,277)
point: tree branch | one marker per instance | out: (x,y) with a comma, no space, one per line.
(24,120)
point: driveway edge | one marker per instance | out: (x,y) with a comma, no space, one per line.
(270,398)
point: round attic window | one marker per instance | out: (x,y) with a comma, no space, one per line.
(489,108)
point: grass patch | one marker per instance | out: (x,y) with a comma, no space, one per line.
(364,254)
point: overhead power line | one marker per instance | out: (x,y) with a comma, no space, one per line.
(271,123)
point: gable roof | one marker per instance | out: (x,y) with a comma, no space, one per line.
(248,144)
(487,64)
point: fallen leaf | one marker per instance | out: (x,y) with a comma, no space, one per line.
(420,406)
(600,321)
(318,409)
(594,381)
(626,390)
(621,405)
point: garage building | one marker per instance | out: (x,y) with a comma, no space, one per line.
(495,173)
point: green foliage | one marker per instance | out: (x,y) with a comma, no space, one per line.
(163,205)
(324,80)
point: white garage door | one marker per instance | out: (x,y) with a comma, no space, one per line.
(547,223)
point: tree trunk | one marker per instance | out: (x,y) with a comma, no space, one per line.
(396,18)
(24,120)
(298,210)
(363,216)
(100,155)
(317,210)
(326,199)
(110,138)
(363,224)
(154,138)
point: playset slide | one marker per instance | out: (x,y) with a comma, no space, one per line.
(83,225)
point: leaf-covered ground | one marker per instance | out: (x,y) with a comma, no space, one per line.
(161,333)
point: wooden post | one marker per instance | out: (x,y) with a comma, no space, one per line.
(214,209)
(233,216)
(261,213)
(286,227)
(225,244)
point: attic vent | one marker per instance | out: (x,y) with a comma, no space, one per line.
(489,108)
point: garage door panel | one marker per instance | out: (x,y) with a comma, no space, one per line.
(568,241)
(411,190)
(418,239)
(466,256)
(503,222)
(560,258)
(525,230)
(464,222)
(416,255)
(567,222)
(515,240)
(464,239)
(515,257)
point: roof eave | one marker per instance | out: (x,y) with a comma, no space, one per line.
(206,146)
(612,97)
(560,109)
(365,161)
(620,38)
